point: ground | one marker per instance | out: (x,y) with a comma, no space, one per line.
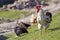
(53,32)
(12,15)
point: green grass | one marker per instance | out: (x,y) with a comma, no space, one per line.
(53,32)
(13,14)
(45,0)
